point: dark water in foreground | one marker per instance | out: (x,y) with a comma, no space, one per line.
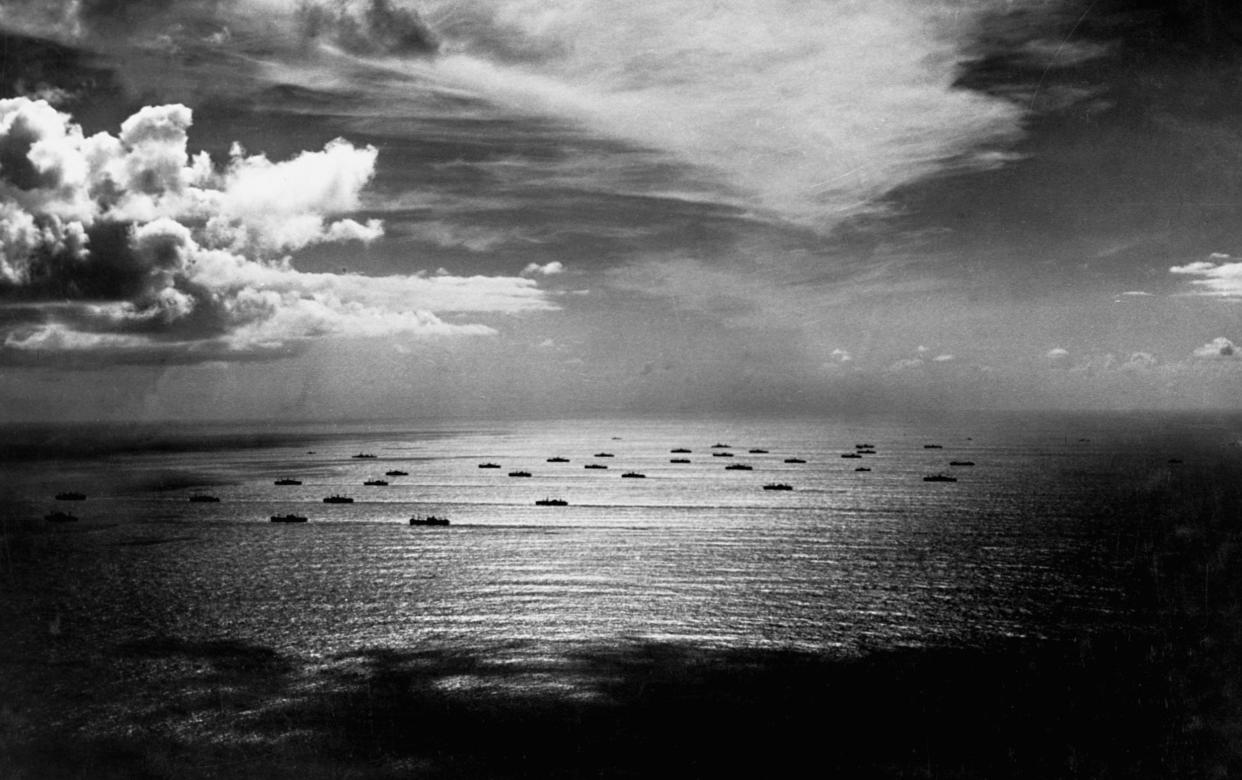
(694,563)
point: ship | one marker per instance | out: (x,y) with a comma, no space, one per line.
(551,502)
(634,475)
(862,468)
(396,473)
(722,454)
(932,447)
(519,473)
(594,466)
(288,519)
(376,483)
(558,459)
(678,460)
(680,451)
(200,498)
(738,467)
(777,486)
(961,463)
(60,517)
(364,455)
(757,451)
(794,460)
(337,499)
(428,520)
(287,482)
(720,446)
(489,465)
(939,478)
(850,455)
(603,455)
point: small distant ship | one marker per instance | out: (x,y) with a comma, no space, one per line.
(551,502)
(376,483)
(777,486)
(288,519)
(604,455)
(939,478)
(363,455)
(720,446)
(594,466)
(961,463)
(738,467)
(794,460)
(864,446)
(338,499)
(1175,461)
(634,475)
(862,468)
(680,451)
(489,465)
(396,473)
(200,498)
(519,473)
(865,452)
(722,454)
(850,455)
(758,451)
(558,459)
(932,447)
(428,520)
(287,482)
(678,460)
(70,496)
(60,517)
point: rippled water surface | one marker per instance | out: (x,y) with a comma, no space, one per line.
(1022,544)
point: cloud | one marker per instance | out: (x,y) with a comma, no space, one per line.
(449,236)
(1058,357)
(1139,361)
(1219,348)
(841,356)
(547,269)
(1220,276)
(943,358)
(125,243)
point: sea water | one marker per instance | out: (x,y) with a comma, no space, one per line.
(1022,545)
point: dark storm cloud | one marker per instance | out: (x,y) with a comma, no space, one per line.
(377,27)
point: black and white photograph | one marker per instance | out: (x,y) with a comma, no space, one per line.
(620,389)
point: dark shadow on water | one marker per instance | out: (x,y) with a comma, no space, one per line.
(1109,707)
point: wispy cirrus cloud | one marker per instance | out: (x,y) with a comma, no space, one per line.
(127,243)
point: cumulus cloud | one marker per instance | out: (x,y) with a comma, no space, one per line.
(547,269)
(126,242)
(1219,348)
(1139,361)
(1220,275)
(841,355)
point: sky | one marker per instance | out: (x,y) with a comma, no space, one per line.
(343,209)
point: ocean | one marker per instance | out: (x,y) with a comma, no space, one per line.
(1030,544)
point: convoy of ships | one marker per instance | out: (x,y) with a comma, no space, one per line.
(719,450)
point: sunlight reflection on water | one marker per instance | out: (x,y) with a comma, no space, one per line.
(696,553)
